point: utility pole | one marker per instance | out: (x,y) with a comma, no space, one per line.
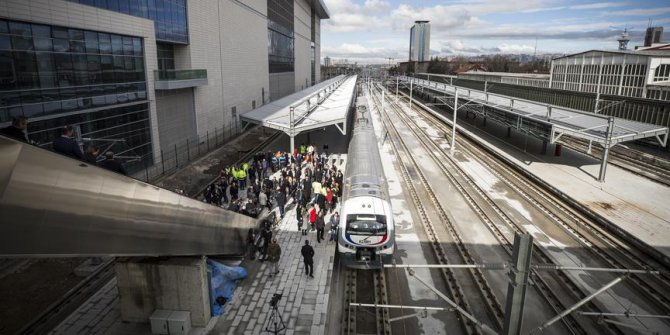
(453,130)
(411,81)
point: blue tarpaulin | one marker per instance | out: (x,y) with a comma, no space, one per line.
(222,284)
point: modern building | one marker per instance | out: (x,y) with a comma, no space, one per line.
(653,36)
(326,61)
(144,75)
(419,42)
(640,73)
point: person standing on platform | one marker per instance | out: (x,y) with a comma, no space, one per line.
(274,253)
(334,224)
(308,258)
(267,237)
(66,145)
(305,220)
(251,243)
(263,200)
(298,216)
(281,201)
(320,226)
(312,216)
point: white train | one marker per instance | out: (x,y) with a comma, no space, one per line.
(366,236)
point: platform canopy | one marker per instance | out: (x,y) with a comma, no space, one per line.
(548,122)
(321,105)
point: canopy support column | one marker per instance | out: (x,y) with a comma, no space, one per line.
(606,149)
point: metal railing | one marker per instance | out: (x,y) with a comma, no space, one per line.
(180,74)
(182,153)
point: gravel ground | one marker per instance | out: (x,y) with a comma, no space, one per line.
(28,292)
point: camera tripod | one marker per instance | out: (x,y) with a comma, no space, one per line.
(274,323)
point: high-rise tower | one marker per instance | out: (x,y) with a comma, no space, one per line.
(419,42)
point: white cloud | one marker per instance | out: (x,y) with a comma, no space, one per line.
(376,5)
(640,12)
(516,48)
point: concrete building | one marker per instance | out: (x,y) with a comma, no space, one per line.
(419,42)
(148,74)
(653,36)
(640,73)
(326,61)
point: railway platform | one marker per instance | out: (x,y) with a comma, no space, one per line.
(304,301)
(634,206)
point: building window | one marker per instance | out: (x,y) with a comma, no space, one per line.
(165,56)
(51,71)
(280,48)
(169,16)
(662,73)
(281,56)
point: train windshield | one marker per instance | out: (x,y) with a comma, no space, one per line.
(366,224)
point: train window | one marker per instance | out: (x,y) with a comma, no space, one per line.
(366,224)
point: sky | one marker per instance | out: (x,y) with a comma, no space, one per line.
(371,31)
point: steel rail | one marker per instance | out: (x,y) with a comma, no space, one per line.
(496,308)
(70,301)
(521,184)
(543,288)
(453,286)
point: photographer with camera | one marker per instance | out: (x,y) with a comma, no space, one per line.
(274,253)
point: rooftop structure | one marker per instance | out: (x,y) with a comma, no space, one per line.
(638,73)
(550,122)
(321,105)
(419,42)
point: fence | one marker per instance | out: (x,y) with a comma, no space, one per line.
(182,153)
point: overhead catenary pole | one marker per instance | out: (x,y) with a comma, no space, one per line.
(290,124)
(453,129)
(411,81)
(606,149)
(516,288)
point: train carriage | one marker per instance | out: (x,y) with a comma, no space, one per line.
(366,235)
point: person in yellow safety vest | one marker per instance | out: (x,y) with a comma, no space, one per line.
(303,149)
(233,172)
(242,177)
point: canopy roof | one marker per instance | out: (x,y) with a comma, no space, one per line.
(323,104)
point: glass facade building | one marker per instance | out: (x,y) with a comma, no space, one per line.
(57,76)
(169,16)
(281,39)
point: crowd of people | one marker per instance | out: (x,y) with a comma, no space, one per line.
(277,181)
(67,145)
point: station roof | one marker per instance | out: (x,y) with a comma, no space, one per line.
(323,104)
(550,120)
(651,53)
(509,74)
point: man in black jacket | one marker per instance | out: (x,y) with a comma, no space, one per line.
(66,145)
(17,130)
(308,258)
(281,201)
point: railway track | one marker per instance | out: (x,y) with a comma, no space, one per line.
(61,309)
(445,252)
(652,168)
(465,186)
(358,286)
(608,250)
